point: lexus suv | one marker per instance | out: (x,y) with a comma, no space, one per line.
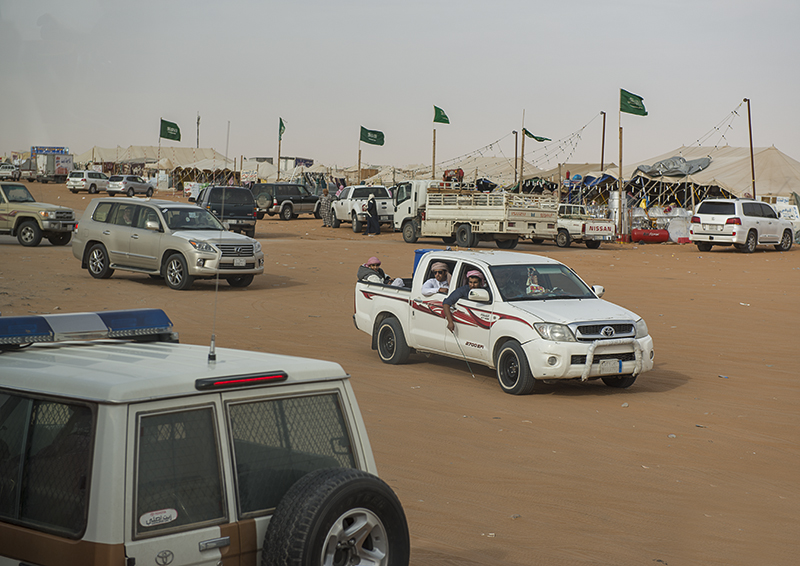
(743,223)
(129,185)
(119,445)
(163,239)
(91,181)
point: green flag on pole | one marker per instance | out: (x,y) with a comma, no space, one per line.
(373,137)
(170,130)
(631,103)
(537,138)
(439,116)
(281,129)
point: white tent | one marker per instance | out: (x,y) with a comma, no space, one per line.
(177,156)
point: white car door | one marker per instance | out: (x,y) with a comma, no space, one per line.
(473,323)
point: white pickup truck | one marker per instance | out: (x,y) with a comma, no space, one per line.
(575,224)
(530,331)
(351,205)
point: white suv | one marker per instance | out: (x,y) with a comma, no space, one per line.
(92,181)
(138,450)
(745,223)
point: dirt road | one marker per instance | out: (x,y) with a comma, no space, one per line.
(698,463)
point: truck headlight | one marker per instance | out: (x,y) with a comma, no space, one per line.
(203,246)
(257,247)
(47,214)
(554,332)
(641,328)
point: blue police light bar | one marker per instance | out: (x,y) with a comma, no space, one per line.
(153,324)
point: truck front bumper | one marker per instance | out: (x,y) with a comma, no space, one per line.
(58,225)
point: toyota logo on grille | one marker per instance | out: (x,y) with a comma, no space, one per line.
(608,331)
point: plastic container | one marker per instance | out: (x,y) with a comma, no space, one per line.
(418,255)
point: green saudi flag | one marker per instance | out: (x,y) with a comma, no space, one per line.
(170,130)
(373,137)
(631,103)
(439,116)
(537,138)
(281,129)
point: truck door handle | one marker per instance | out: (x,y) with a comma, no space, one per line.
(135,236)
(106,232)
(214,543)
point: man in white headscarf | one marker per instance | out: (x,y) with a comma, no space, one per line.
(439,283)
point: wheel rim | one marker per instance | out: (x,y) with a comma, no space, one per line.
(786,241)
(97,260)
(358,536)
(751,242)
(175,273)
(509,369)
(26,234)
(387,342)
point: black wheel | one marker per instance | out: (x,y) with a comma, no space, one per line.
(149,192)
(622,382)
(60,238)
(786,242)
(704,246)
(392,347)
(507,244)
(750,243)
(97,262)
(176,273)
(250,232)
(464,235)
(562,239)
(73,191)
(29,234)
(592,244)
(449,240)
(286,213)
(537,241)
(357,224)
(239,280)
(260,214)
(317,214)
(131,192)
(92,189)
(513,371)
(335,222)
(410,232)
(337,516)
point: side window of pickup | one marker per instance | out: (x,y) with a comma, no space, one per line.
(277,441)
(178,477)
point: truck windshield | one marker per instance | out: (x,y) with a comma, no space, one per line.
(537,282)
(17,193)
(185,218)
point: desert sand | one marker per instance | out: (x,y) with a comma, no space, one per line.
(698,463)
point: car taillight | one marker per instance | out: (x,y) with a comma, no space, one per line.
(76,228)
(735,220)
(695,220)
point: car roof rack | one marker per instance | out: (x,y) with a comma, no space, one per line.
(140,325)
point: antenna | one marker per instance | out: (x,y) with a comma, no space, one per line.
(212,352)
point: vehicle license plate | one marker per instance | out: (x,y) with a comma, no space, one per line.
(610,366)
(712,227)
(239,262)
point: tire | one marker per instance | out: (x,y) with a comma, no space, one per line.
(260,215)
(750,243)
(592,244)
(176,273)
(337,516)
(335,222)
(562,239)
(29,234)
(704,246)
(97,262)
(73,191)
(513,371)
(357,224)
(464,236)
(239,280)
(263,201)
(250,232)
(131,192)
(619,382)
(286,213)
(391,341)
(507,244)
(60,238)
(93,189)
(786,242)
(449,240)
(410,232)
(317,214)
(537,241)
(149,192)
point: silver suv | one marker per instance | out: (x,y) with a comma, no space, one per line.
(743,223)
(92,181)
(129,185)
(130,448)
(176,241)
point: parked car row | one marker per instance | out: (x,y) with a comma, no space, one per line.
(95,181)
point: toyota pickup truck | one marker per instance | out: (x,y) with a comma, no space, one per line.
(30,221)
(534,320)
(575,224)
(351,206)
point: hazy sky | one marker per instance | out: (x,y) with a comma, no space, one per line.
(102,72)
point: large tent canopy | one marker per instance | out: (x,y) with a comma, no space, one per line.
(177,156)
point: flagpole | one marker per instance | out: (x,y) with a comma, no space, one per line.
(278,178)
(522,154)
(433,159)
(752,163)
(603,142)
(619,204)
(359,161)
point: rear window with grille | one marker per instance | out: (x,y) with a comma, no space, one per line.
(45,461)
(278,441)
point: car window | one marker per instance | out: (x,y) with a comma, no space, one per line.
(767,211)
(103,176)
(178,477)
(185,218)
(100,213)
(232,196)
(125,215)
(304,191)
(45,460)
(116,178)
(76,175)
(751,209)
(17,193)
(277,441)
(403,192)
(146,215)
(721,208)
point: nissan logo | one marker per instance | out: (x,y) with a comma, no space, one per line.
(608,331)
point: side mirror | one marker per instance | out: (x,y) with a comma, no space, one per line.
(478,295)
(152,225)
(192,199)
(599,290)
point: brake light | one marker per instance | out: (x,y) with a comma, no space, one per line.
(583,228)
(735,220)
(240,381)
(695,220)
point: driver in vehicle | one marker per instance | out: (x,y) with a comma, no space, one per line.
(475,280)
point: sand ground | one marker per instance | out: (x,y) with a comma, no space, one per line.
(697,464)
